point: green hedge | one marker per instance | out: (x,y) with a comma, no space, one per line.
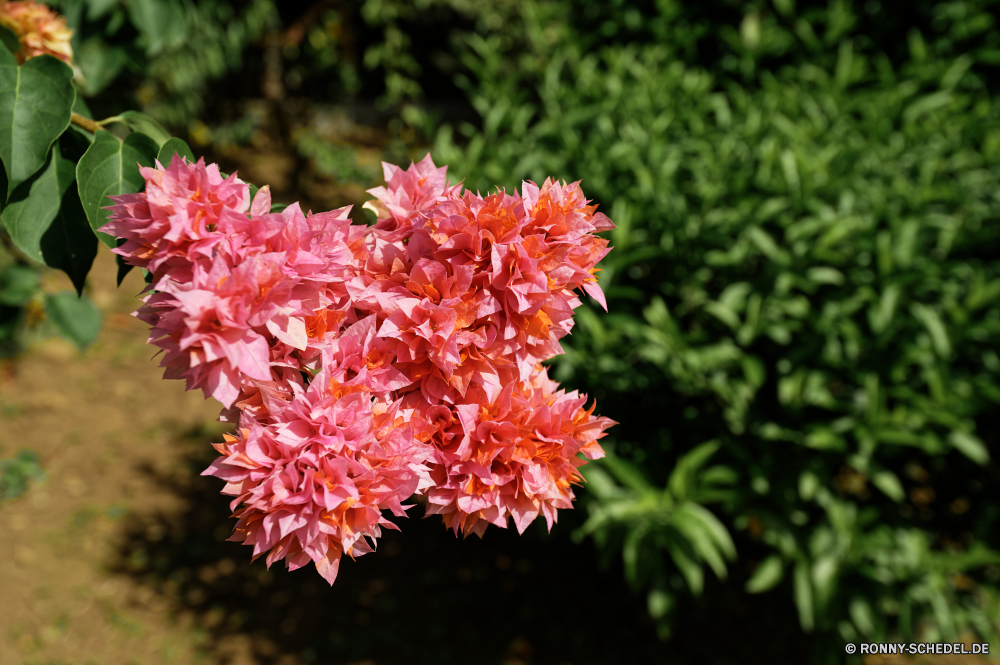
(804,302)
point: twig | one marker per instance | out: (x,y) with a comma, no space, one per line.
(86,123)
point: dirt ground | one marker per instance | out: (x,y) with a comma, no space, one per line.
(120,558)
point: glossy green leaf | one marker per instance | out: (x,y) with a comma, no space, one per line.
(70,244)
(46,221)
(75,317)
(927,104)
(935,326)
(766,575)
(683,558)
(659,603)
(109,168)
(626,473)
(142,123)
(630,552)
(695,531)
(971,446)
(862,616)
(682,481)
(175,146)
(889,484)
(824,578)
(600,483)
(802,588)
(713,527)
(36,103)
(880,316)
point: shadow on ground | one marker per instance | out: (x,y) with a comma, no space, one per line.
(424,597)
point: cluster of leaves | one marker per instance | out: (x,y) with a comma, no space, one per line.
(805,275)
(59,166)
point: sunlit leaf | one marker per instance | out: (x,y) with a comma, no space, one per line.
(766,575)
(110,168)
(802,588)
(36,103)
(46,221)
(970,446)
(175,146)
(142,123)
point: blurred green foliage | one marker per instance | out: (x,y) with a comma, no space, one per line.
(166,52)
(29,313)
(17,472)
(805,274)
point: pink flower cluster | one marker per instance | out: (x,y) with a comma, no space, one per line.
(363,365)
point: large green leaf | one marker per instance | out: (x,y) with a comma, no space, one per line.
(142,123)
(77,318)
(46,221)
(36,103)
(70,244)
(109,168)
(175,146)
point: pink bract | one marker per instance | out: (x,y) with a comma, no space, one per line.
(512,458)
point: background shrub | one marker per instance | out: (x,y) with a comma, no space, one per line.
(803,294)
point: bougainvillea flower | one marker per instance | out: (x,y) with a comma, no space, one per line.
(409,191)
(363,365)
(40,30)
(185,213)
(514,458)
(313,475)
(203,326)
